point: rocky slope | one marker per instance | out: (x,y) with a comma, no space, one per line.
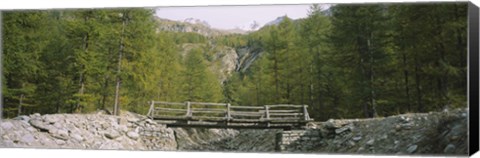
(193,25)
(427,133)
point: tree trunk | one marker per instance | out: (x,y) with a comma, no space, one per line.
(116,108)
(105,93)
(405,73)
(418,87)
(20,105)
(78,107)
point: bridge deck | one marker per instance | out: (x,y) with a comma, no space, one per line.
(223,115)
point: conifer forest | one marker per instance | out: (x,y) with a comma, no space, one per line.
(348,61)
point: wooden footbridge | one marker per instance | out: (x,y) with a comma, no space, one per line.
(224,115)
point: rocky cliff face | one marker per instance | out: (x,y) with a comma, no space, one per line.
(193,25)
(444,133)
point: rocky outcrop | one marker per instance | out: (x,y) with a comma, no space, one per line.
(426,133)
(418,133)
(192,25)
(89,131)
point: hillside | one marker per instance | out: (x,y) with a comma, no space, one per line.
(193,25)
(415,133)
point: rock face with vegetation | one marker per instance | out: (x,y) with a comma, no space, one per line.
(415,133)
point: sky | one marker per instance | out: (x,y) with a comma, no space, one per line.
(232,17)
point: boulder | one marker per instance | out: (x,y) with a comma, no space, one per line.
(371,141)
(22,118)
(51,119)
(28,138)
(6,125)
(357,138)
(111,145)
(450,148)
(133,135)
(77,137)
(40,125)
(412,148)
(35,115)
(59,133)
(112,134)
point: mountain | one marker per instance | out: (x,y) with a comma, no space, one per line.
(193,25)
(277,21)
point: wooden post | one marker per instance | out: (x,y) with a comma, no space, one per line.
(20,105)
(151,110)
(267,114)
(189,110)
(305,113)
(228,112)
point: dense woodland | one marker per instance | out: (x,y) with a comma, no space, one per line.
(350,61)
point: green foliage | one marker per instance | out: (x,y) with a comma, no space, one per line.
(357,61)
(360,61)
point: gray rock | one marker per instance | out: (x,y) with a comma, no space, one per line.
(351,143)
(40,125)
(112,134)
(341,130)
(412,148)
(77,137)
(111,145)
(361,149)
(132,119)
(60,142)
(450,148)
(122,128)
(28,138)
(357,138)
(59,133)
(58,125)
(133,135)
(122,121)
(31,129)
(149,121)
(35,115)
(371,141)
(22,118)
(51,118)
(6,125)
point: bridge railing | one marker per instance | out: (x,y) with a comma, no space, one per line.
(201,111)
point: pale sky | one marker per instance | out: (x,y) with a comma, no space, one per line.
(231,17)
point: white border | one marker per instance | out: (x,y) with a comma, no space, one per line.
(49,4)
(55,4)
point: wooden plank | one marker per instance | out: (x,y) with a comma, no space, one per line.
(167,103)
(286,111)
(285,105)
(285,119)
(208,118)
(247,107)
(209,109)
(204,111)
(163,117)
(171,109)
(257,114)
(247,112)
(285,127)
(208,104)
(247,120)
(286,114)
